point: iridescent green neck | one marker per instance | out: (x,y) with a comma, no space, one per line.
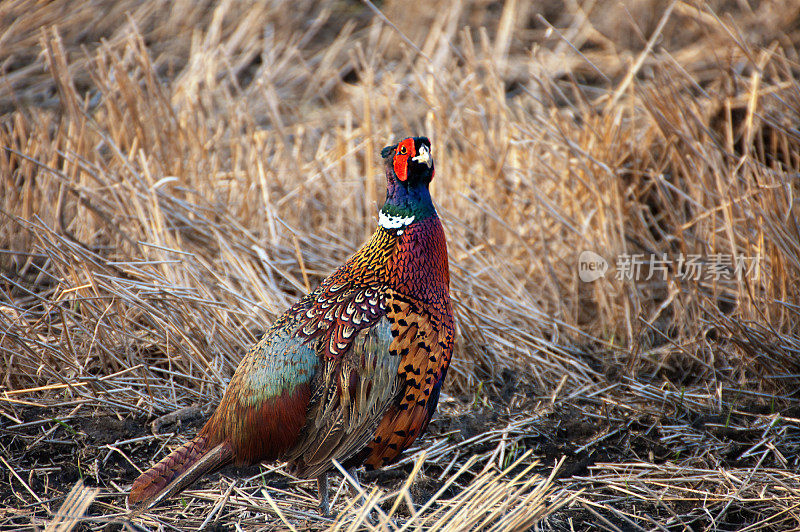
(405,205)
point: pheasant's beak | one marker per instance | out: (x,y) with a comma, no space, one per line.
(424,156)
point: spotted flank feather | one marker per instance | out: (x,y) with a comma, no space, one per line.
(424,343)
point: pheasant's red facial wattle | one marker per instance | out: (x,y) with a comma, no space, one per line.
(405,150)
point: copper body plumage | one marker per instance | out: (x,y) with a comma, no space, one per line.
(353,370)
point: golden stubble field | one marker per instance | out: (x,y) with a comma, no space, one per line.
(174,174)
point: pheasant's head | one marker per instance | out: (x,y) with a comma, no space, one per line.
(409,170)
(410,162)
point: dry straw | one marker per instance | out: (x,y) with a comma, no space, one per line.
(173,175)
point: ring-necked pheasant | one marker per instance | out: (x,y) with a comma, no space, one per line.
(353,370)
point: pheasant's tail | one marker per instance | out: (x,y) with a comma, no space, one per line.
(177,471)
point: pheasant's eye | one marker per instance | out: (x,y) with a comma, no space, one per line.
(402,150)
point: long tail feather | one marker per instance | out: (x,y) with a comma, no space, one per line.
(177,471)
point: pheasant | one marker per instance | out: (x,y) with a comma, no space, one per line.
(353,370)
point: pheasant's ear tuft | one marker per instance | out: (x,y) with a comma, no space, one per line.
(388,151)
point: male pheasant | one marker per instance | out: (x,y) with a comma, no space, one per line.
(352,371)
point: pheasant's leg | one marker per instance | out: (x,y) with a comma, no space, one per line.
(354,473)
(363,498)
(322,487)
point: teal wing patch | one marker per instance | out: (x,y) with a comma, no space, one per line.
(274,366)
(266,403)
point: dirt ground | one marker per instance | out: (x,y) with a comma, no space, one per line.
(63,446)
